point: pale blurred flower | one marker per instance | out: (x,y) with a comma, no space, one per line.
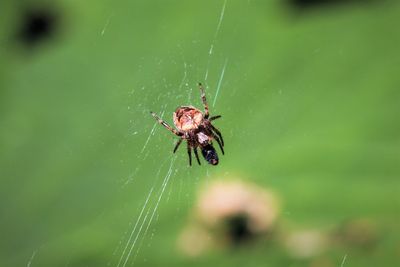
(194,240)
(227,199)
(306,243)
(229,210)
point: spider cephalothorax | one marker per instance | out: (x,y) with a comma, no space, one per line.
(195,127)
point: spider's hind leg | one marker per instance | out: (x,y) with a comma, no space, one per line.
(204,100)
(165,124)
(214,117)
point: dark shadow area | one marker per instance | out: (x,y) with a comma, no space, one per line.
(37,25)
(311,4)
(238,230)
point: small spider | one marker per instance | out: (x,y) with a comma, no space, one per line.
(195,127)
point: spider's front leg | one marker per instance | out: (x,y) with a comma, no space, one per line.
(204,100)
(197,155)
(166,125)
(189,150)
(178,144)
(218,133)
(221,146)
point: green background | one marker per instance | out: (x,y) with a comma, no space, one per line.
(310,102)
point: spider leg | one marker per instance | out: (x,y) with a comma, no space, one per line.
(197,155)
(221,146)
(214,117)
(178,144)
(189,150)
(218,133)
(203,98)
(166,125)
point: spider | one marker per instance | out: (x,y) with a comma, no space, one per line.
(195,127)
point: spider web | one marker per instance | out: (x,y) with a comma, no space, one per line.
(128,249)
(168,178)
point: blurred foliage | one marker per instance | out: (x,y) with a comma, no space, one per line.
(310,104)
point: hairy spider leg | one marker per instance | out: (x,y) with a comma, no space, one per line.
(197,155)
(178,144)
(219,143)
(218,133)
(189,150)
(214,117)
(166,125)
(203,98)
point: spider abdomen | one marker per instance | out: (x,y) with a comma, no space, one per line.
(187,118)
